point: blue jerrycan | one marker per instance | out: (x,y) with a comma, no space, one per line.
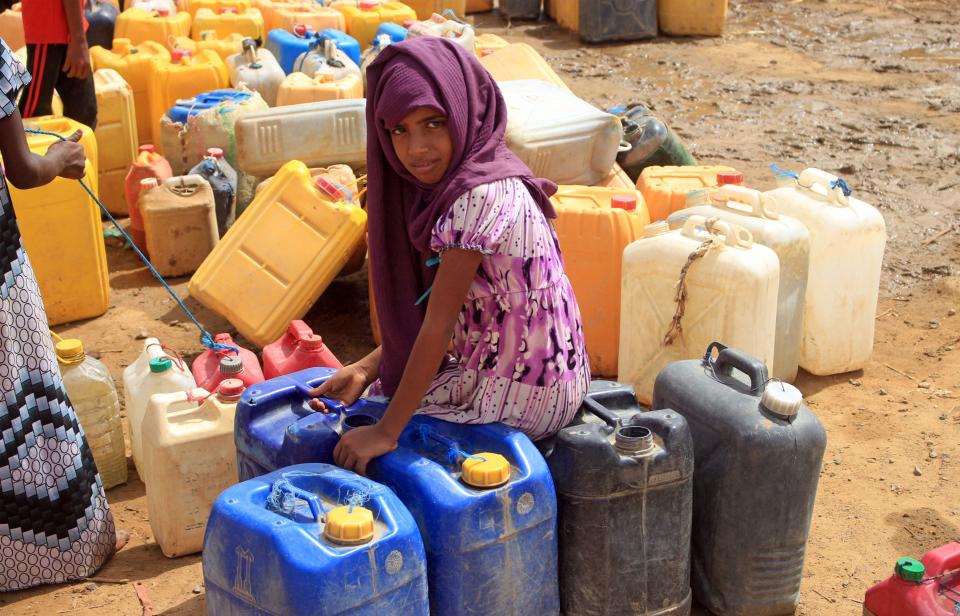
(345,43)
(313,539)
(275,426)
(286,46)
(624,481)
(485,505)
(396,32)
(187,107)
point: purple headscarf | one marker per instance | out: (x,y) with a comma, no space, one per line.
(427,72)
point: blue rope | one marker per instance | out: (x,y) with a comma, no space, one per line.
(205,338)
(430,263)
(784,173)
(843,187)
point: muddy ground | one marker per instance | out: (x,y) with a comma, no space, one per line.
(866,91)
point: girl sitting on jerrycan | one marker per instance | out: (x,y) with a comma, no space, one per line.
(460,247)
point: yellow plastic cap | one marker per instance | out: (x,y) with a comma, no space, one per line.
(349,525)
(70,351)
(486,470)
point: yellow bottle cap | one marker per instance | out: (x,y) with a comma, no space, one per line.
(349,525)
(486,470)
(70,351)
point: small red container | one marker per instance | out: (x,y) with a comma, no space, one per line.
(928,587)
(298,349)
(211,367)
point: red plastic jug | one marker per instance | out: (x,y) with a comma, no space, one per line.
(926,587)
(298,349)
(148,164)
(211,367)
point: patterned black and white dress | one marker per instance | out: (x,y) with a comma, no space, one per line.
(55,525)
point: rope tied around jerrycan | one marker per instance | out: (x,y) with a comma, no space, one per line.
(206,339)
(676,326)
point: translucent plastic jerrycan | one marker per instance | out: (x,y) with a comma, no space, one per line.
(665,188)
(213,366)
(153,372)
(276,426)
(148,165)
(519,61)
(116,135)
(257,70)
(594,225)
(486,507)
(325,58)
(624,482)
(140,25)
(363,17)
(180,223)
(229,20)
(926,587)
(758,451)
(459,32)
(298,88)
(297,350)
(223,181)
(728,289)
(93,395)
(847,239)
(787,237)
(284,543)
(188,460)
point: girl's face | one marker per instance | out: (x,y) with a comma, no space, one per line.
(422,143)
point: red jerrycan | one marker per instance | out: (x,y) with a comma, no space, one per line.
(298,349)
(926,587)
(211,367)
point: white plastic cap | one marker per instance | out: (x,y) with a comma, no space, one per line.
(782,399)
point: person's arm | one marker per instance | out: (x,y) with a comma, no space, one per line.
(77,62)
(454,277)
(27,170)
(347,383)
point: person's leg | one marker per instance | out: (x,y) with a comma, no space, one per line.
(44,63)
(79,99)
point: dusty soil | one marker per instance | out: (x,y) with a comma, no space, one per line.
(869,92)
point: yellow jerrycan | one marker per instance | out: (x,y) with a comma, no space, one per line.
(518,61)
(299,88)
(228,20)
(487,43)
(224,47)
(260,282)
(141,25)
(363,17)
(692,17)
(133,63)
(426,8)
(182,77)
(116,135)
(192,6)
(65,127)
(666,188)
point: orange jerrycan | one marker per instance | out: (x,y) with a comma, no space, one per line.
(228,20)
(594,224)
(180,223)
(141,25)
(665,188)
(520,61)
(268,9)
(224,47)
(426,8)
(192,6)
(116,135)
(312,15)
(363,17)
(480,6)
(692,17)
(299,88)
(260,282)
(11,26)
(148,164)
(182,77)
(133,63)
(617,178)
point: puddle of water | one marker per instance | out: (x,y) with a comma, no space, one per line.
(949,56)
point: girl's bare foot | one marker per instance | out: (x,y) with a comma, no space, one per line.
(122,538)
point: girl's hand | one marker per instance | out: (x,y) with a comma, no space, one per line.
(360,445)
(345,385)
(69,156)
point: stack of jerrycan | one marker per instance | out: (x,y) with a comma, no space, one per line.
(223,181)
(652,142)
(520,9)
(787,237)
(227,361)
(684,18)
(298,349)
(228,20)
(311,15)
(685,287)
(279,283)
(559,136)
(926,587)
(277,427)
(153,372)
(847,239)
(179,223)
(594,225)
(345,43)
(485,504)
(487,43)
(316,134)
(140,25)
(438,25)
(427,8)
(101,22)
(666,188)
(313,538)
(321,74)
(133,63)
(11,26)
(61,231)
(287,46)
(599,21)
(182,77)
(116,135)
(148,165)
(256,69)
(224,47)
(93,396)
(188,460)
(518,61)
(363,17)
(624,482)
(749,534)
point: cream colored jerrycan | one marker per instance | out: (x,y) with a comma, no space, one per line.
(786,236)
(153,372)
(188,459)
(730,296)
(257,70)
(847,239)
(180,222)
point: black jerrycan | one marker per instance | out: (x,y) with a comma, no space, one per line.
(101,20)
(624,488)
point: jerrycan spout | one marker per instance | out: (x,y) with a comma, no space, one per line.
(634,440)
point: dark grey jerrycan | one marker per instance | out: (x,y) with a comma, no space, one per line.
(758,451)
(623,482)
(617,20)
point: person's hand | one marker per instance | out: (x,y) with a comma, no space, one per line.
(360,445)
(345,385)
(77,62)
(70,156)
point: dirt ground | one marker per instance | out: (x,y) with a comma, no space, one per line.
(869,92)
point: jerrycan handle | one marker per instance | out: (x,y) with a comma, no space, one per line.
(601,411)
(733,235)
(761,205)
(333,406)
(824,184)
(249,47)
(728,359)
(283,487)
(299,330)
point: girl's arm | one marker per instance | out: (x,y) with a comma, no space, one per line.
(347,383)
(25,169)
(454,276)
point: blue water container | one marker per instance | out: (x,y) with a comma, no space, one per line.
(345,43)
(186,107)
(396,32)
(313,539)
(286,46)
(491,546)
(275,426)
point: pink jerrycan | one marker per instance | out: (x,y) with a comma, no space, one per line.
(298,349)
(212,367)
